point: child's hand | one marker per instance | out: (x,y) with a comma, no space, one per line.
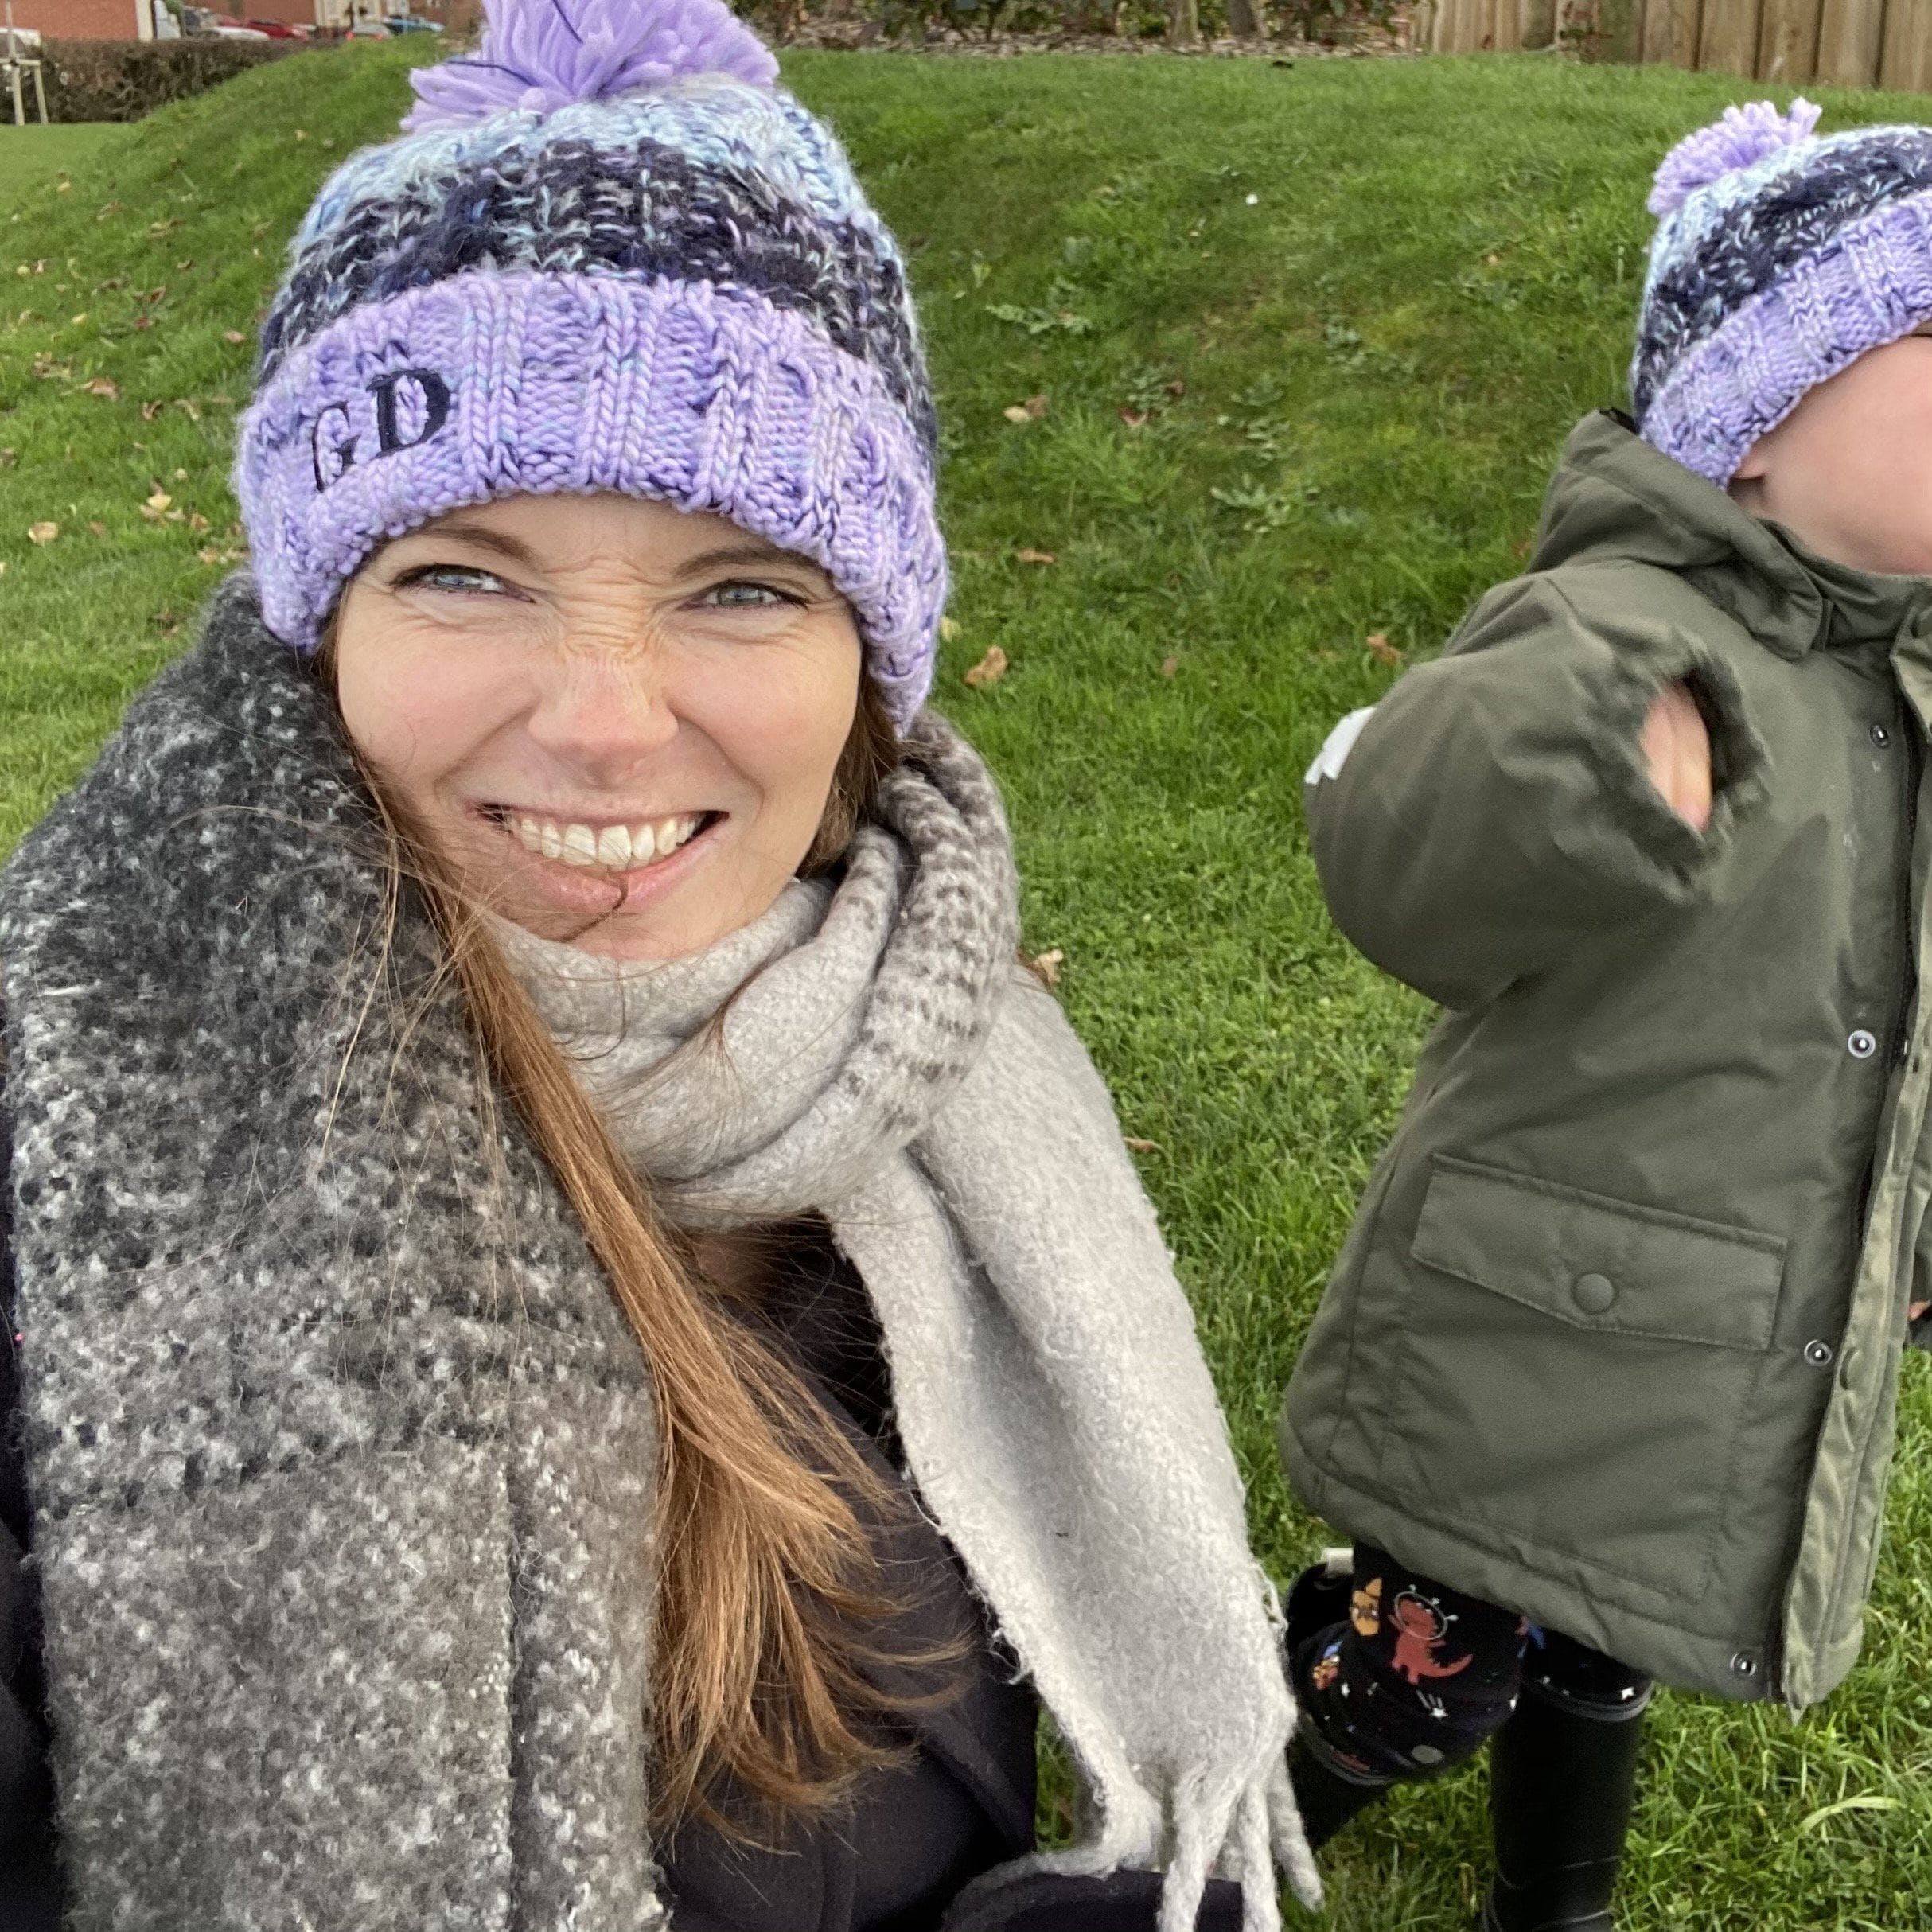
(1677,746)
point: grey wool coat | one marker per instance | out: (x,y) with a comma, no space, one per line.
(1615,1338)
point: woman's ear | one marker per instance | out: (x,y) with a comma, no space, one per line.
(1757,462)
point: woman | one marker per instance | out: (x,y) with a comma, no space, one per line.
(588,1345)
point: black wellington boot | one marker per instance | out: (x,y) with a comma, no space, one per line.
(1326,1795)
(1562,1784)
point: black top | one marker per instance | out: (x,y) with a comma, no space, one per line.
(889,1862)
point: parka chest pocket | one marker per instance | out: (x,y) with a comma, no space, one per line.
(1576,1369)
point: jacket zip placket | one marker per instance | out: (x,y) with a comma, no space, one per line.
(1905,990)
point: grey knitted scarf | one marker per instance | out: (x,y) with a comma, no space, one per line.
(341,1455)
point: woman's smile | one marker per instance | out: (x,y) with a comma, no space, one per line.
(592,867)
(611,845)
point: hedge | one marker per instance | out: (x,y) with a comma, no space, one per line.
(120,80)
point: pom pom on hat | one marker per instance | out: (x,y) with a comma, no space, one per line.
(1742,136)
(545,54)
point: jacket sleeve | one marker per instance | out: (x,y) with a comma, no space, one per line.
(1494,810)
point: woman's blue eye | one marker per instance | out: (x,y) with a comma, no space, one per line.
(453,577)
(745,597)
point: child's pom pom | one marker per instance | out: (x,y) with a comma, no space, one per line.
(1745,134)
(545,54)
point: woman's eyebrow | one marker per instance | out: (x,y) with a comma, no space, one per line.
(483,537)
(764,554)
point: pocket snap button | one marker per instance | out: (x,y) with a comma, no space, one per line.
(1862,1044)
(1881,736)
(1593,1293)
(1743,1664)
(1820,1354)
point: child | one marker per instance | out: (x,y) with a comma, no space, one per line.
(1603,1385)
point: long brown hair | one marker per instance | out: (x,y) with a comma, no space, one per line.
(765,1580)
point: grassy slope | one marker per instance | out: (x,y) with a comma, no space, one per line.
(31,153)
(1378,360)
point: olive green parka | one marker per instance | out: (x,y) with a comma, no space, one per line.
(1615,1340)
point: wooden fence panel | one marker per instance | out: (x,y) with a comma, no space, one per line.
(1785,43)
(1788,41)
(1730,39)
(1672,30)
(1851,37)
(1907,60)
(1537,22)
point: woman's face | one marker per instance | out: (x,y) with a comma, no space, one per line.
(618,720)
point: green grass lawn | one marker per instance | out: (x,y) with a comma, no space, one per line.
(1309,340)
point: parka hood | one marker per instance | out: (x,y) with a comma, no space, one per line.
(1615,499)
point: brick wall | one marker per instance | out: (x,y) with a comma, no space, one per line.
(81,20)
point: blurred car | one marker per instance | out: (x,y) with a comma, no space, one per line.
(226,31)
(411,23)
(279,29)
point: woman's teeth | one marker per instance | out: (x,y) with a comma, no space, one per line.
(615,848)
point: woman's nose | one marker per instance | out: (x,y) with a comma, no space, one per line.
(603,718)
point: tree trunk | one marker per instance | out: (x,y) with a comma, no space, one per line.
(1183,23)
(1242,22)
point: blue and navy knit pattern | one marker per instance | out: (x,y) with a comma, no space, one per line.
(718,182)
(1748,232)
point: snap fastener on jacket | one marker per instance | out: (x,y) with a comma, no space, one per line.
(1743,1664)
(1881,736)
(1862,1044)
(1820,1354)
(1593,1293)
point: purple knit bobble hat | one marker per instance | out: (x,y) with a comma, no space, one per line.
(1780,258)
(607,253)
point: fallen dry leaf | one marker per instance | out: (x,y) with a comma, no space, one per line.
(1029,411)
(2,567)
(1169,666)
(989,670)
(62,187)
(210,555)
(1134,418)
(151,410)
(1382,651)
(1046,966)
(1142,1146)
(196,522)
(8,458)
(1016,412)
(233,335)
(1035,556)
(1177,387)
(159,228)
(100,529)
(156,506)
(103,386)
(949,629)
(42,533)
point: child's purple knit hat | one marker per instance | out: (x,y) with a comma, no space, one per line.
(1779,259)
(607,253)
